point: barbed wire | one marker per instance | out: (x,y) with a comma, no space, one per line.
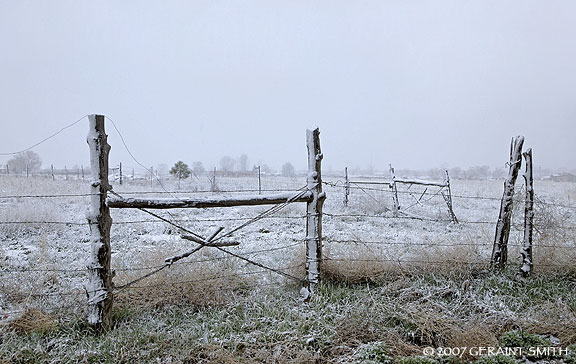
(81,305)
(50,196)
(206,260)
(46,139)
(407,245)
(434,262)
(78,223)
(488,198)
(269,211)
(175,192)
(419,218)
(79,291)
(140,193)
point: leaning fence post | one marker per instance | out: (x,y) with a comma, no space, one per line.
(314,210)
(526,250)
(500,248)
(99,286)
(449,199)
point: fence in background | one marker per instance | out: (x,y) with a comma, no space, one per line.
(334,215)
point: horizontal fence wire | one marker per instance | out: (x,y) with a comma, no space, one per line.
(428,262)
(426,193)
(430,193)
(50,196)
(81,305)
(77,223)
(142,193)
(80,292)
(206,260)
(419,218)
(356,242)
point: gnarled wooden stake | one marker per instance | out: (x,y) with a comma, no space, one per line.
(526,249)
(500,248)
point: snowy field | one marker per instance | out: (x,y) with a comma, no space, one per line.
(45,245)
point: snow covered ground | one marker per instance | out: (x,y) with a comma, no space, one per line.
(45,240)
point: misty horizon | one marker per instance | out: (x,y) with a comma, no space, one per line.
(416,85)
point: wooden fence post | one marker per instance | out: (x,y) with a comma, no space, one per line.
(346,186)
(120,173)
(449,199)
(99,286)
(394,191)
(314,210)
(500,248)
(526,250)
(213,185)
(259,181)
(52,168)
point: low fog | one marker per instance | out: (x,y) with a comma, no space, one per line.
(424,86)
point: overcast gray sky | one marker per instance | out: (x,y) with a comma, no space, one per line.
(415,83)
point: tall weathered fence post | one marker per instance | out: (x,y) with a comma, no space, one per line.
(99,286)
(526,250)
(500,248)
(120,173)
(314,210)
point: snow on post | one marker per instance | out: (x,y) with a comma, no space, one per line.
(314,210)
(394,191)
(99,285)
(526,250)
(500,248)
(448,199)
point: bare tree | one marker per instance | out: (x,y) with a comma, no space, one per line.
(288,170)
(27,160)
(198,167)
(243,163)
(227,163)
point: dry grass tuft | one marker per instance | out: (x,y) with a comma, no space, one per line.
(202,284)
(34,320)
(359,265)
(547,318)
(365,264)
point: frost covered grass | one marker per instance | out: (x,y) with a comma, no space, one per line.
(391,286)
(390,320)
